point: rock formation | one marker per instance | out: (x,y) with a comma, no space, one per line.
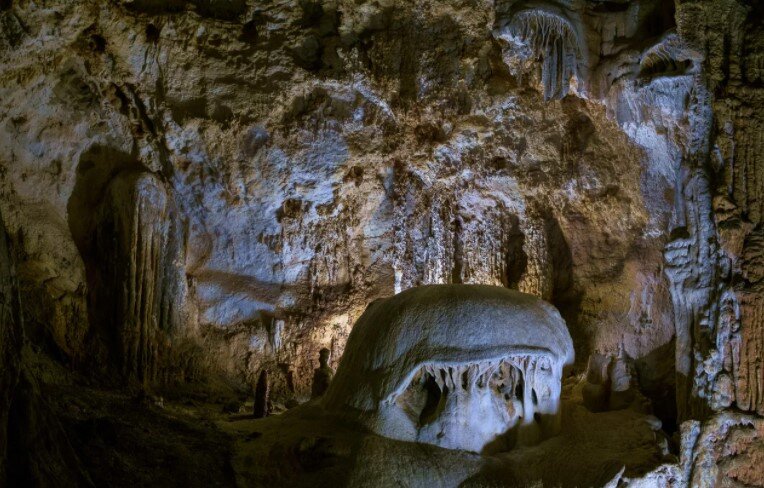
(457,366)
(198,192)
(11,344)
(322,376)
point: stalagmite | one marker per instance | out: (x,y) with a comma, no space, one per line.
(322,376)
(136,296)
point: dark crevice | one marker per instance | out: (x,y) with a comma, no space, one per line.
(152,33)
(666,66)
(517,259)
(519,388)
(458,252)
(249,32)
(662,20)
(434,402)
(656,379)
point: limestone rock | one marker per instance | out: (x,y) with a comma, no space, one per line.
(458,366)
(726,450)
(10,344)
(198,191)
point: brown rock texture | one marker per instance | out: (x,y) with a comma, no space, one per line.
(726,451)
(198,193)
(10,342)
(727,330)
(326,157)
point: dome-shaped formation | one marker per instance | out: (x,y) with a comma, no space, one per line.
(479,344)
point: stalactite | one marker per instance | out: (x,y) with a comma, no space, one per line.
(551,38)
(519,392)
(439,239)
(538,279)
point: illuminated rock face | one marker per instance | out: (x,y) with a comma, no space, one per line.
(467,367)
(204,188)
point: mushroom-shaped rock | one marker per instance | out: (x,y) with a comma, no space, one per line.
(468,367)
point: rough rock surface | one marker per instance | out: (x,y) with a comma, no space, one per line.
(197,191)
(10,351)
(321,159)
(304,447)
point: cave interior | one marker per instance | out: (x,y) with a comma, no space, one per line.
(382,243)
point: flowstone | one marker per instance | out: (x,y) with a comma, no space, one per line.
(468,367)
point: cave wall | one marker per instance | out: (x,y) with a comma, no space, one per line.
(34,451)
(215,188)
(736,163)
(10,345)
(199,188)
(317,157)
(711,259)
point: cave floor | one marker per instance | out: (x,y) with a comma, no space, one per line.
(126,440)
(305,447)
